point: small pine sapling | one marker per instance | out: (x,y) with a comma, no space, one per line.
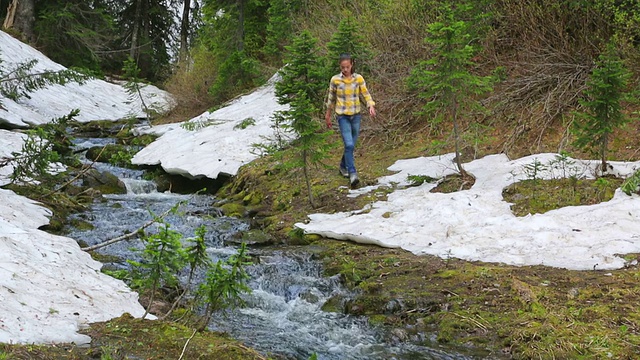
(43,146)
(445,80)
(301,87)
(225,282)
(162,258)
(602,106)
(20,80)
(196,257)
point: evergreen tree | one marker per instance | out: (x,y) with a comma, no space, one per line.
(445,80)
(162,258)
(606,90)
(74,33)
(233,32)
(224,283)
(280,25)
(347,39)
(301,87)
(146,26)
(20,80)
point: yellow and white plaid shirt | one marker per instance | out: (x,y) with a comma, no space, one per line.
(345,94)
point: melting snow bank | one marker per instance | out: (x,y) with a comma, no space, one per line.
(216,142)
(96,99)
(49,288)
(477,224)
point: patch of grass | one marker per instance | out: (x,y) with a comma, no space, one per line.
(129,338)
(453,183)
(539,196)
(503,311)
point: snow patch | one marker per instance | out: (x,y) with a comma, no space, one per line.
(478,225)
(49,288)
(219,144)
(96,99)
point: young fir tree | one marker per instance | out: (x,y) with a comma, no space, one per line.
(301,87)
(279,27)
(347,39)
(446,80)
(606,90)
(224,284)
(20,80)
(162,258)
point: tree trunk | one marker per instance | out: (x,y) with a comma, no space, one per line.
(456,136)
(11,15)
(21,15)
(241,25)
(133,51)
(184,31)
(305,169)
(603,153)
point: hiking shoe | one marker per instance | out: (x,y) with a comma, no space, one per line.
(344,172)
(353,179)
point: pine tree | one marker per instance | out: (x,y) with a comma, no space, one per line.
(280,25)
(20,80)
(233,33)
(146,24)
(302,87)
(75,33)
(606,90)
(445,80)
(347,39)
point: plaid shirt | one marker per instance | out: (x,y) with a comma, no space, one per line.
(345,94)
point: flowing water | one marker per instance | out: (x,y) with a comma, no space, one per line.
(282,316)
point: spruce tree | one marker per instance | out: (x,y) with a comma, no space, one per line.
(445,80)
(302,87)
(279,26)
(20,80)
(347,39)
(606,90)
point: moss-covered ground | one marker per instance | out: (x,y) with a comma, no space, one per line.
(129,338)
(500,311)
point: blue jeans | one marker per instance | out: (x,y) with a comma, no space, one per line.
(350,129)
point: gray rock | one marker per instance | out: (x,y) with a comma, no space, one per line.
(105,182)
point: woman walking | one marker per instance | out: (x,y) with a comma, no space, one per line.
(345,91)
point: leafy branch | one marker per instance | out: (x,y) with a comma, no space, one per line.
(21,81)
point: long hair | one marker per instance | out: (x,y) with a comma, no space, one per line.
(346,56)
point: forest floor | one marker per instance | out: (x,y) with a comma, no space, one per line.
(497,310)
(485,310)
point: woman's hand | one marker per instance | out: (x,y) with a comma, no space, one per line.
(372,111)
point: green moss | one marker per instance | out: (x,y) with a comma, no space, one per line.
(334,305)
(252,199)
(110,189)
(126,337)
(448,274)
(143,140)
(81,225)
(233,209)
(540,196)
(312,237)
(55,225)
(105,258)
(377,320)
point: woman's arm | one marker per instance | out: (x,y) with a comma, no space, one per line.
(367,96)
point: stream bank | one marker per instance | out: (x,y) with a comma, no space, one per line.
(498,311)
(284,317)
